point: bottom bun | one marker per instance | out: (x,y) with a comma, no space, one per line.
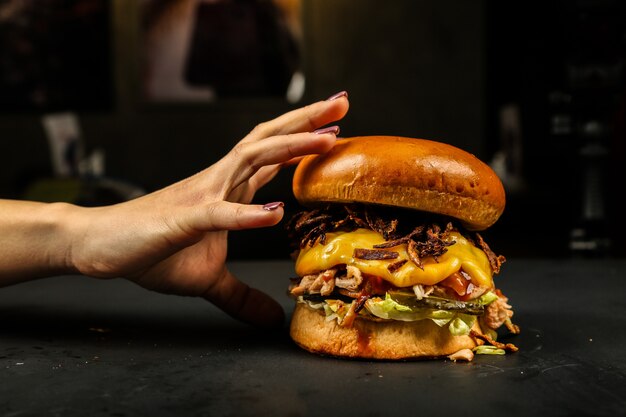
(373,339)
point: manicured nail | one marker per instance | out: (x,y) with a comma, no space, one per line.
(273,206)
(338,95)
(330,129)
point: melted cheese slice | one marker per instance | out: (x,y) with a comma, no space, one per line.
(339,249)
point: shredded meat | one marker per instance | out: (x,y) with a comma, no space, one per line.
(304,285)
(328,277)
(499,312)
(462,355)
(422,291)
(316,286)
(352,279)
(322,283)
(348,293)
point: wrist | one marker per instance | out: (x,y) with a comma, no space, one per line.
(36,240)
(61,225)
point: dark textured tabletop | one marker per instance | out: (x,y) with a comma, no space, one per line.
(78,346)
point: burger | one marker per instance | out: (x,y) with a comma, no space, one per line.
(389,260)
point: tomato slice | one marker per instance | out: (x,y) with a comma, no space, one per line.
(378,285)
(458,282)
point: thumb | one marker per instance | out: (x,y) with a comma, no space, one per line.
(245,303)
(224,215)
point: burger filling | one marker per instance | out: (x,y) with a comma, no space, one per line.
(354,262)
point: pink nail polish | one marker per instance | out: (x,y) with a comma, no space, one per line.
(338,95)
(330,129)
(273,206)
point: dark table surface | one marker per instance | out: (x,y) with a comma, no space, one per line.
(78,346)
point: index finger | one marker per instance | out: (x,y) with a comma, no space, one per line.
(247,158)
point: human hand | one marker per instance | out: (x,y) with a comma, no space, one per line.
(175,240)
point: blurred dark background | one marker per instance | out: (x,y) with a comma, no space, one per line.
(536,89)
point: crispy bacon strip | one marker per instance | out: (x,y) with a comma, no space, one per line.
(354,216)
(513,328)
(392,243)
(506,346)
(434,245)
(318,232)
(360,302)
(411,249)
(350,316)
(312,219)
(374,254)
(495,261)
(393,267)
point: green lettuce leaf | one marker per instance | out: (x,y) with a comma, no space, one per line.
(459,324)
(488,350)
(487,298)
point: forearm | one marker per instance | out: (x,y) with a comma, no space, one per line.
(35,240)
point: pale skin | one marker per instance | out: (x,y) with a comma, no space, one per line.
(173,240)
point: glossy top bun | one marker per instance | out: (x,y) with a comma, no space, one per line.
(403,172)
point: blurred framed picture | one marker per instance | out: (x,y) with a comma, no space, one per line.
(55,55)
(205,50)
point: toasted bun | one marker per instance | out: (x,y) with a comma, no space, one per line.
(391,340)
(403,172)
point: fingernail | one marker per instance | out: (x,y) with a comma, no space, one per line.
(338,95)
(330,129)
(273,206)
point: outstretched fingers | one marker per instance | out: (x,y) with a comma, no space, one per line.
(280,141)
(304,119)
(247,158)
